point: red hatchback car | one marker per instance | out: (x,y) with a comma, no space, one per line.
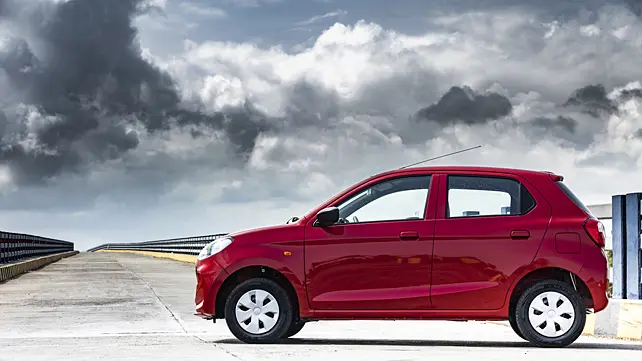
(433,243)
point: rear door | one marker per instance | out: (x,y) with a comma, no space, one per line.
(489,227)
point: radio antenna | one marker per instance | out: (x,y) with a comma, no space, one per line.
(441,156)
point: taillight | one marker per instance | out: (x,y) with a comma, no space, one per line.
(595,230)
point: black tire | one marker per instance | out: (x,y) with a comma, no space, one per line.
(522,310)
(295,328)
(513,325)
(284,319)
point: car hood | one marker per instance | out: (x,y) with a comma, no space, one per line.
(282,232)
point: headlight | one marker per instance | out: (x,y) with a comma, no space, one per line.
(215,247)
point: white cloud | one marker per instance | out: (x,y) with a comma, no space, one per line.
(535,63)
(219,92)
(253,3)
(476,49)
(317,18)
(345,59)
(200,10)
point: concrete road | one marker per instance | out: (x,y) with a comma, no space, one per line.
(101,306)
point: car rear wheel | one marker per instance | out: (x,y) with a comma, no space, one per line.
(550,313)
(258,311)
(513,325)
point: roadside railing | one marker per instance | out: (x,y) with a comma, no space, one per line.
(187,245)
(16,247)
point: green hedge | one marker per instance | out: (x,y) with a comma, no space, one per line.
(609,256)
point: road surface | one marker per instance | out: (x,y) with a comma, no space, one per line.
(117,306)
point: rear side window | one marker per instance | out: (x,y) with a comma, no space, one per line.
(574,198)
(475,196)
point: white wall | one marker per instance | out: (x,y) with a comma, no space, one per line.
(609,233)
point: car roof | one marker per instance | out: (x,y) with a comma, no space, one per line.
(485,169)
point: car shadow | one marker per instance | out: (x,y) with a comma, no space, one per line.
(439,343)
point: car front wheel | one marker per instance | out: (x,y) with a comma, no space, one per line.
(258,311)
(295,328)
(550,313)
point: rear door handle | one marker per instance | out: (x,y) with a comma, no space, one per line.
(408,235)
(520,234)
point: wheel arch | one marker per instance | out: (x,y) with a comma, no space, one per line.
(547,273)
(256,271)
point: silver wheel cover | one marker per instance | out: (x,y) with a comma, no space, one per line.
(551,314)
(257,311)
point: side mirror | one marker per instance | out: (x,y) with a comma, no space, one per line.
(328,216)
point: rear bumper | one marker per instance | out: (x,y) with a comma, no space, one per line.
(596,279)
(209,278)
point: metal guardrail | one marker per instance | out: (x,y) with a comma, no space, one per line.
(187,245)
(15,247)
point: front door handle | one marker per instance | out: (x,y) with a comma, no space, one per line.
(520,234)
(408,235)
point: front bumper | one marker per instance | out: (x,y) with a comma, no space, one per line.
(209,278)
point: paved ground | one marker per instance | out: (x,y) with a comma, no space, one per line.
(101,306)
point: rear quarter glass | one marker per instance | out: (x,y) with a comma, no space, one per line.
(574,198)
(593,227)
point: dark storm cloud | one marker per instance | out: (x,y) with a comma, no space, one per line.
(462,104)
(593,99)
(86,75)
(309,104)
(635,6)
(628,94)
(3,123)
(78,68)
(242,126)
(578,120)
(563,128)
(561,122)
(582,117)
(575,122)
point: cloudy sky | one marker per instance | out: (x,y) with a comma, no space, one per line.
(133,120)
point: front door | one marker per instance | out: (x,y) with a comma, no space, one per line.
(378,256)
(488,228)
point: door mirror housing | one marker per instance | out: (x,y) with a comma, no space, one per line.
(328,216)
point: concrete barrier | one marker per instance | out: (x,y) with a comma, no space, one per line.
(621,319)
(12,270)
(173,256)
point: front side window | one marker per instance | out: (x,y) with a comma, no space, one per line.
(394,199)
(474,196)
